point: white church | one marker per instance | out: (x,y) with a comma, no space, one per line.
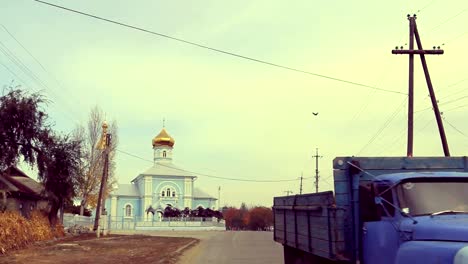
(160,185)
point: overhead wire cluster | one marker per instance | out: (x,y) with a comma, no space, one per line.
(141,29)
(209,175)
(35,79)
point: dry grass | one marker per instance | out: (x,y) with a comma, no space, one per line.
(17,232)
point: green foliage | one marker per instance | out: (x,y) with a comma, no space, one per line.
(22,127)
(25,134)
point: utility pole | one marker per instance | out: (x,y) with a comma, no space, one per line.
(219,198)
(421,52)
(300,188)
(288,192)
(316,183)
(105,143)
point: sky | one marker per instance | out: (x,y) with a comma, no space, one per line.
(238,118)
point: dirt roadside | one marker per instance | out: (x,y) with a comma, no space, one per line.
(109,249)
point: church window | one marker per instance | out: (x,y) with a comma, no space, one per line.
(164,154)
(168,191)
(128,210)
(162,193)
(173,193)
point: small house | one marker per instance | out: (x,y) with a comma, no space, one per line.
(19,192)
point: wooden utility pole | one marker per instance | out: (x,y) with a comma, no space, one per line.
(300,188)
(103,182)
(316,183)
(219,198)
(413,29)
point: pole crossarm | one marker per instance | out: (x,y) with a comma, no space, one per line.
(418,52)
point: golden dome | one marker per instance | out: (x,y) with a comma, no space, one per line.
(163,139)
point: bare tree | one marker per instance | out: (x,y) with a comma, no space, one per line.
(91,170)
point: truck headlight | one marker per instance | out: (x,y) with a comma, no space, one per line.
(461,257)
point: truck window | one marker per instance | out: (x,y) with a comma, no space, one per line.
(386,209)
(427,197)
(368,208)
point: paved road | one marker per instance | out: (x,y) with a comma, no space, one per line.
(226,247)
(235,247)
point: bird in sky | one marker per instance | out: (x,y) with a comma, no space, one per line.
(315,113)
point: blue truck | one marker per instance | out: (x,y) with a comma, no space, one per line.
(405,210)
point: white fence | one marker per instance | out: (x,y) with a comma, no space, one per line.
(70,220)
(140,223)
(109,223)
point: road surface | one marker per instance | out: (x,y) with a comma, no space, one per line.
(234,247)
(225,247)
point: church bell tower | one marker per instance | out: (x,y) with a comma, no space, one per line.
(163,144)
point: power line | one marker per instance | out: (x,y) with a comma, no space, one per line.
(217,50)
(458,107)
(385,125)
(29,73)
(456,129)
(426,6)
(34,58)
(448,19)
(206,175)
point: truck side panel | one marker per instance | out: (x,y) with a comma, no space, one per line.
(309,223)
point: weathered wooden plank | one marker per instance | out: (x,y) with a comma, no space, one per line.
(315,251)
(342,199)
(341,187)
(322,198)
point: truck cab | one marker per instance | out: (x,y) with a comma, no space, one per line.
(416,217)
(383,210)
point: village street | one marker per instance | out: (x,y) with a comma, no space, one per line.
(228,247)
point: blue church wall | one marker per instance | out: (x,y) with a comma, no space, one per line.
(135,202)
(175,184)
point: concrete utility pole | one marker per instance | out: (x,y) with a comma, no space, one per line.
(316,183)
(103,182)
(288,192)
(413,33)
(300,188)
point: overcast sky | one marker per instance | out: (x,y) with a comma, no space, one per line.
(236,118)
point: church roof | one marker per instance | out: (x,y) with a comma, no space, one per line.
(163,139)
(167,169)
(198,193)
(127,190)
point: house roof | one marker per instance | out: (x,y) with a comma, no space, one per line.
(127,190)
(18,181)
(198,193)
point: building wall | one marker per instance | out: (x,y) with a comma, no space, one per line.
(23,206)
(135,202)
(205,202)
(174,184)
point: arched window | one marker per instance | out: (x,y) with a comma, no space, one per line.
(128,210)
(164,154)
(168,192)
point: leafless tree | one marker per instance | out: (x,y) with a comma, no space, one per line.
(92,168)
